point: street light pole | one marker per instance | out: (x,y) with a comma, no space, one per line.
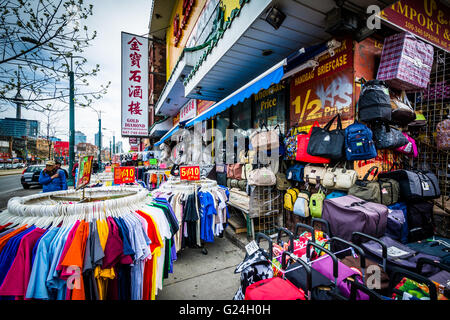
(70,181)
(100,140)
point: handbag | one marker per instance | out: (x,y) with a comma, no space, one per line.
(326,143)
(339,178)
(410,149)
(261,177)
(265,139)
(316,204)
(365,189)
(387,137)
(402,112)
(302,146)
(314,174)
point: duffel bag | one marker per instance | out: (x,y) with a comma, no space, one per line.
(365,189)
(415,184)
(435,246)
(314,174)
(349,214)
(339,178)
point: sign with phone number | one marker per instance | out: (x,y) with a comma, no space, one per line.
(190,173)
(124,175)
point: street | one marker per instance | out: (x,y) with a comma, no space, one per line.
(10,186)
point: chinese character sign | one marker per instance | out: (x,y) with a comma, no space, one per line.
(84,171)
(134,85)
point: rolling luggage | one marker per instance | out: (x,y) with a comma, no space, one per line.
(394,254)
(396,226)
(403,237)
(435,246)
(408,285)
(349,214)
(442,277)
(273,289)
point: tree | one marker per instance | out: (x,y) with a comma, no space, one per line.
(40,42)
(49,129)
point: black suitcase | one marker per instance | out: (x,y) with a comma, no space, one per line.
(420,221)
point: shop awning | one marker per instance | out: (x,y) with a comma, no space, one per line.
(264,81)
(168,135)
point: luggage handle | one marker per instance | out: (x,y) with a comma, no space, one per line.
(323,222)
(362,256)
(422,261)
(258,237)
(291,237)
(396,272)
(356,238)
(309,228)
(304,264)
(357,286)
(333,257)
(366,176)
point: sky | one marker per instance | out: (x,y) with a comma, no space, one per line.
(109,19)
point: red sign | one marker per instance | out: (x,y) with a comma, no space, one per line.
(178,25)
(124,175)
(61,148)
(84,171)
(427,19)
(319,94)
(191,173)
(202,105)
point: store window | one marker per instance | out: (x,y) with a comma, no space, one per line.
(269,107)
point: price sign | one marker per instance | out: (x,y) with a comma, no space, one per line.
(108,169)
(190,173)
(153,161)
(124,175)
(84,172)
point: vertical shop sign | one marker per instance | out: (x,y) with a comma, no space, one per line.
(319,94)
(134,85)
(189,110)
(427,19)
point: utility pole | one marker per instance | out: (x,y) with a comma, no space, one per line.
(70,181)
(100,140)
(114,144)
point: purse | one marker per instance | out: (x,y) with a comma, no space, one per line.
(339,178)
(402,112)
(302,146)
(365,189)
(326,143)
(316,204)
(387,137)
(261,177)
(410,149)
(314,174)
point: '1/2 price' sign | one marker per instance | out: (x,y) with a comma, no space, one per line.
(190,173)
(124,175)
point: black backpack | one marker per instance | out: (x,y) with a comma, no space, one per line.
(374,102)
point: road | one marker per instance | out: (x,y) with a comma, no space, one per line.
(10,186)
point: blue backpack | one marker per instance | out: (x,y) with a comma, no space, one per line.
(359,143)
(295,172)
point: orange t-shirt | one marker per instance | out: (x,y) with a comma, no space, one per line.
(5,239)
(75,257)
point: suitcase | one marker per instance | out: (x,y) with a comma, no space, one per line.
(435,246)
(404,285)
(395,254)
(442,277)
(405,230)
(349,214)
(273,289)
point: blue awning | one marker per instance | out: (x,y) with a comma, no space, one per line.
(264,81)
(168,134)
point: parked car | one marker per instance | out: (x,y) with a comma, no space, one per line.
(30,176)
(15,165)
(2,166)
(9,166)
(21,165)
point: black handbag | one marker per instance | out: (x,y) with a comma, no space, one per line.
(387,137)
(328,144)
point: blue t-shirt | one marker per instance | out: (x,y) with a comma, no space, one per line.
(36,285)
(207,213)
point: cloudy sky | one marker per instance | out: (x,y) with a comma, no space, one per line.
(110,17)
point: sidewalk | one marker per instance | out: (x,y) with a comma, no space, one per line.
(8,172)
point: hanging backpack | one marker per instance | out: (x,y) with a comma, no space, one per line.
(290,197)
(374,102)
(295,172)
(359,144)
(301,206)
(316,204)
(387,137)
